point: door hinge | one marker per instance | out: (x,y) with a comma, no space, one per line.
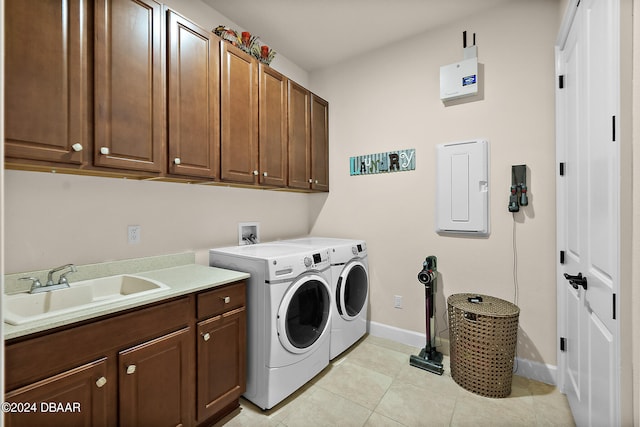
(614,306)
(561,81)
(613,128)
(563,344)
(561,257)
(561,168)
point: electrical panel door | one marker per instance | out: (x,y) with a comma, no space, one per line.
(462,188)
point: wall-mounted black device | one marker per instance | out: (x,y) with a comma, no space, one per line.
(518,196)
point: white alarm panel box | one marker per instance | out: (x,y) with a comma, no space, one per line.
(462,188)
(459,80)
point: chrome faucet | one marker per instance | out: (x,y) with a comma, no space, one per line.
(63,277)
(63,282)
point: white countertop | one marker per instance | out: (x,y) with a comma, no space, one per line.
(182,280)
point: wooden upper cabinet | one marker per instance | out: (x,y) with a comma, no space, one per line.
(129,86)
(239,115)
(194,98)
(319,143)
(273,127)
(46,75)
(299,134)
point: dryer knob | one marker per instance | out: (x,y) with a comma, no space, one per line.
(354,250)
(307,262)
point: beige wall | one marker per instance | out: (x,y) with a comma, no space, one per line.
(389,100)
(54,219)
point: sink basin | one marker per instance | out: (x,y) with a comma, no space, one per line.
(25,307)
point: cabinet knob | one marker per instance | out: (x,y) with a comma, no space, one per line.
(255,173)
(77,147)
(100,382)
(131,369)
(316,181)
(264,174)
(206,336)
(104,150)
(310,181)
(226,300)
(177,161)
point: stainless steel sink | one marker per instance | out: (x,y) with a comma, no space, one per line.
(26,307)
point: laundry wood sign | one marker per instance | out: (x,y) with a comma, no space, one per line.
(391,161)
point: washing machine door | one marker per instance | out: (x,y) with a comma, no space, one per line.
(303,316)
(352,289)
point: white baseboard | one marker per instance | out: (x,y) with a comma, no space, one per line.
(403,336)
(525,368)
(537,371)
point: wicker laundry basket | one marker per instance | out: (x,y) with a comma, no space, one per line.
(483,337)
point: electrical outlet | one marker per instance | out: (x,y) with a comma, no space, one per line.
(133,234)
(397,301)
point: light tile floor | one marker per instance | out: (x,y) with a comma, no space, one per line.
(372,384)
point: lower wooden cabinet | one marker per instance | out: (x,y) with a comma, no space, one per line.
(77,397)
(221,342)
(154,382)
(144,367)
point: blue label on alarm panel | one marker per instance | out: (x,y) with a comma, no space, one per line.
(469,80)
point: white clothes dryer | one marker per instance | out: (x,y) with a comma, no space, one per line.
(349,288)
(288,315)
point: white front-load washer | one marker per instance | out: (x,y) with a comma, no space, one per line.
(349,288)
(288,315)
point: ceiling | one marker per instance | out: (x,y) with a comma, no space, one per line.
(318,33)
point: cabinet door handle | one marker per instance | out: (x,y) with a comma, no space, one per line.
(316,181)
(310,181)
(206,336)
(177,161)
(100,382)
(264,174)
(131,369)
(104,150)
(77,147)
(226,300)
(255,173)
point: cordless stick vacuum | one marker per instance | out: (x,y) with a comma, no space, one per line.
(429,359)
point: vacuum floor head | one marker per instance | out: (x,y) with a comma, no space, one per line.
(429,362)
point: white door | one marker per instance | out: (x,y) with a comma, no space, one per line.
(588,213)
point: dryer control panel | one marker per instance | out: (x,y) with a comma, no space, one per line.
(294,265)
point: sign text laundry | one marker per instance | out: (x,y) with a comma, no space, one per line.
(390,161)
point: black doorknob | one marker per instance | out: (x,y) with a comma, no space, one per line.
(576,281)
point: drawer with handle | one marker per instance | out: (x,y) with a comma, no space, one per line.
(221,300)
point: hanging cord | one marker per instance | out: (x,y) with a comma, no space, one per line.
(515,263)
(435,323)
(446,325)
(515,281)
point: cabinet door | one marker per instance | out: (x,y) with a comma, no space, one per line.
(154,382)
(239,115)
(221,362)
(273,127)
(319,143)
(299,137)
(129,87)
(78,397)
(194,99)
(46,112)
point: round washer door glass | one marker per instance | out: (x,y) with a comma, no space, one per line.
(352,290)
(304,314)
